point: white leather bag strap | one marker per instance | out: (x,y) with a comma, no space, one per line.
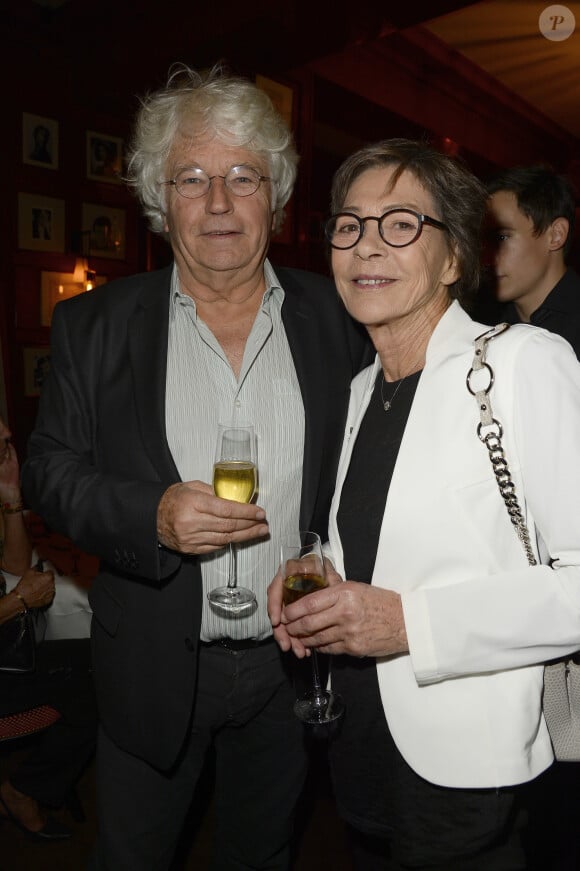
(480,380)
(561,698)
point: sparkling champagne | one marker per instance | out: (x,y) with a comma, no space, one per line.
(296,586)
(234,480)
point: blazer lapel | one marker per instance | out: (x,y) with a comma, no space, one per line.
(148,338)
(304,338)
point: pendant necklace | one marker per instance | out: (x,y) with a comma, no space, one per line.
(387,403)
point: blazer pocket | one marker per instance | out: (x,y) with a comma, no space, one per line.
(107,608)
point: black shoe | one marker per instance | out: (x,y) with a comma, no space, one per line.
(51,831)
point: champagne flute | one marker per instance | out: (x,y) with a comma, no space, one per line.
(303,572)
(234,477)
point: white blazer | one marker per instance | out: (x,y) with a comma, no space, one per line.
(464,708)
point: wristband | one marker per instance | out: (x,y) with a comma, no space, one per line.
(21,599)
(12,507)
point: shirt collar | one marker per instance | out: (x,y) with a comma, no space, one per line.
(274,290)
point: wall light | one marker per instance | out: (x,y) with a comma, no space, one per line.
(81,246)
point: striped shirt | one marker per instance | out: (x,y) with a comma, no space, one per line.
(202,391)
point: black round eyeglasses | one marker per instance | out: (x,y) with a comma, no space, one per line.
(397,227)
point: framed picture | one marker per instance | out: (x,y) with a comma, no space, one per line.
(104,157)
(40,223)
(107,226)
(281,96)
(36,366)
(56,286)
(39,141)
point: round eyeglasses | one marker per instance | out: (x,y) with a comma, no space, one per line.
(242,181)
(398,228)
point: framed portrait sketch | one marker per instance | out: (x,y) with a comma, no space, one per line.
(104,157)
(107,230)
(39,141)
(40,223)
(36,366)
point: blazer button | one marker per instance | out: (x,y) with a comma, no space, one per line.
(190,646)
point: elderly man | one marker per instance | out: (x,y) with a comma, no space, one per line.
(142,372)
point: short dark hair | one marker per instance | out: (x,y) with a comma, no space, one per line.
(542,195)
(458,196)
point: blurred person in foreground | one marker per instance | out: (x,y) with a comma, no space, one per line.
(531,212)
(142,372)
(45,777)
(440,629)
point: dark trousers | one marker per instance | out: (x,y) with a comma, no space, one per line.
(244,710)
(59,754)
(483,834)
(554,836)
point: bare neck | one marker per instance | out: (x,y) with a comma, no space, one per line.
(229,312)
(402,344)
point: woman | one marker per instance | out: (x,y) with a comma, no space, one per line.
(444,625)
(15,544)
(62,679)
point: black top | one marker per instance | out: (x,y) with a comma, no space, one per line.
(560,311)
(367,769)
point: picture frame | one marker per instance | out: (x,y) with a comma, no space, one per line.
(56,286)
(104,157)
(282,96)
(39,141)
(40,223)
(36,363)
(107,230)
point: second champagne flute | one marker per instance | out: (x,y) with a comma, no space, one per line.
(234,477)
(303,572)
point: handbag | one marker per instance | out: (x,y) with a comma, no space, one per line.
(17,642)
(561,695)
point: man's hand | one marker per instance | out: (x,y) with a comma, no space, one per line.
(191,519)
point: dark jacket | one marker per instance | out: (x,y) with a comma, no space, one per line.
(560,311)
(99,462)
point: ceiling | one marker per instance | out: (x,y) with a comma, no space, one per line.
(501,37)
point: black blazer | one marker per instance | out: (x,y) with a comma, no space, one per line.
(99,461)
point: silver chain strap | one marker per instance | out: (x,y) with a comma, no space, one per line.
(489,431)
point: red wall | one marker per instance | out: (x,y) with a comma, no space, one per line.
(405,85)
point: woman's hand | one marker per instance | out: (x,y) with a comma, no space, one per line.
(36,588)
(276,611)
(350,617)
